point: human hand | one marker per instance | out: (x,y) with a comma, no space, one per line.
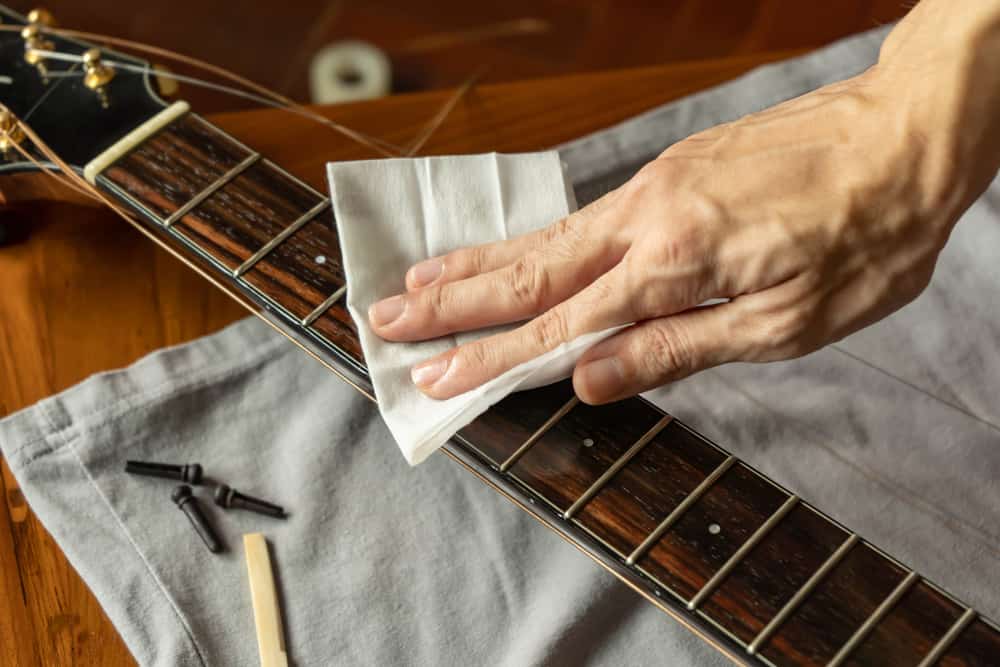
(814,218)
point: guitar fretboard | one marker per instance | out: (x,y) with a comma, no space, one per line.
(762,570)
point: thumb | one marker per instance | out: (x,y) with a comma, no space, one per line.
(655,352)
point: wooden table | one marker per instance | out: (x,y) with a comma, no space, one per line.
(439,44)
(65,313)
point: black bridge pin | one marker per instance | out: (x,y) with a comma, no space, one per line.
(190,473)
(231,498)
(189,505)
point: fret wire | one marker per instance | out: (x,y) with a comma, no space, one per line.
(800,595)
(954,632)
(873,620)
(742,552)
(300,222)
(688,501)
(549,423)
(323,307)
(270,163)
(949,638)
(622,461)
(211,189)
(214,263)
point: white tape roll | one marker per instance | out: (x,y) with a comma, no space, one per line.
(349,71)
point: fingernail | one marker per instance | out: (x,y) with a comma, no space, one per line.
(425,272)
(429,372)
(603,378)
(386,311)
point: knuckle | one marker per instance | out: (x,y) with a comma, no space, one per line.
(911,283)
(550,329)
(681,247)
(662,170)
(560,229)
(438,302)
(474,355)
(670,350)
(528,284)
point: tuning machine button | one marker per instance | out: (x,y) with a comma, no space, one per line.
(34,41)
(42,16)
(11,133)
(34,44)
(97,74)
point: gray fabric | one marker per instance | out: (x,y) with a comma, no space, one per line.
(893,431)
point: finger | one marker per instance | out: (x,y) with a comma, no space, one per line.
(475,260)
(658,351)
(531,285)
(599,306)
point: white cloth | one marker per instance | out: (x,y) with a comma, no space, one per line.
(394,213)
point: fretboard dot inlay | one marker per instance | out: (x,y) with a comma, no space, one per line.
(661,501)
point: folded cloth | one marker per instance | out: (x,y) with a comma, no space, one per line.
(894,431)
(394,213)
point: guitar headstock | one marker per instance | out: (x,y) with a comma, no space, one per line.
(78,104)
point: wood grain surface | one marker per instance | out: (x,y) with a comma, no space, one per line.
(64,314)
(566,460)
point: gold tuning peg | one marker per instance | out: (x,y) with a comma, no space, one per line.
(10,131)
(96,73)
(34,42)
(42,16)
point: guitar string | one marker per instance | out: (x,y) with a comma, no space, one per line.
(44,96)
(71,179)
(360,137)
(66,170)
(437,41)
(438,119)
(221,88)
(57,175)
(85,189)
(422,137)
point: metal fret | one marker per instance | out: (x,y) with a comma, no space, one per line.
(211,188)
(615,467)
(213,269)
(802,593)
(874,619)
(690,500)
(549,423)
(280,237)
(741,553)
(949,638)
(323,307)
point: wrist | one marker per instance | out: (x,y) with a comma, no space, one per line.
(938,72)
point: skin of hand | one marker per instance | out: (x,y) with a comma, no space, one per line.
(813,219)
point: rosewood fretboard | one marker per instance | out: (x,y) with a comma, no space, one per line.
(758,572)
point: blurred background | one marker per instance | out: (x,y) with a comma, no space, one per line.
(443,43)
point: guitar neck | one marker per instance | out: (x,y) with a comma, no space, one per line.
(753,569)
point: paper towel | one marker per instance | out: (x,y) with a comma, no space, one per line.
(394,213)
